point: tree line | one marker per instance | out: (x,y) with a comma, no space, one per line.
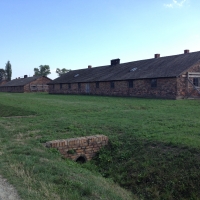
(42,70)
(6,74)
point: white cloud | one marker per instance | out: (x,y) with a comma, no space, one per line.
(168,5)
(175,3)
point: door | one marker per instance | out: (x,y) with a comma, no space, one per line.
(87,88)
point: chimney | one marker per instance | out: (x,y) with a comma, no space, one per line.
(89,66)
(25,76)
(18,77)
(115,61)
(186,51)
(157,55)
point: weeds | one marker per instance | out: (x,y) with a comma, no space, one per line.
(165,172)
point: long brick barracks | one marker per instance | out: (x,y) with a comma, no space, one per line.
(26,84)
(171,77)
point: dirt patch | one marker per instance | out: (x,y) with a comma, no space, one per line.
(7,191)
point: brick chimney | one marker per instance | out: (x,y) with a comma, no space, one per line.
(18,77)
(115,61)
(89,66)
(25,76)
(186,51)
(157,55)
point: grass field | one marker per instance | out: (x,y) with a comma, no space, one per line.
(154,148)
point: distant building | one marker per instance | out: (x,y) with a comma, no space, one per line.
(3,82)
(27,84)
(171,77)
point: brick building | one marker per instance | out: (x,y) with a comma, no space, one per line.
(3,82)
(27,84)
(172,77)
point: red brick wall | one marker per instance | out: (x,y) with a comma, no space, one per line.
(40,81)
(166,88)
(184,88)
(73,148)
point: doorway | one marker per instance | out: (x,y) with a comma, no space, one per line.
(87,88)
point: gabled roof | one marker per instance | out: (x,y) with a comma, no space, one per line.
(21,81)
(3,82)
(169,66)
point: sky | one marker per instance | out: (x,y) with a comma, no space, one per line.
(73,34)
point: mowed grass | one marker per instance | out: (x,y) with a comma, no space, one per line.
(154,148)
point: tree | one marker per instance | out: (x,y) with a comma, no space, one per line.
(8,71)
(2,75)
(62,71)
(43,70)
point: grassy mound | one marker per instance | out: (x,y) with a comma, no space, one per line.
(154,148)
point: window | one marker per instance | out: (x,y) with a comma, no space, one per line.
(79,85)
(112,84)
(132,70)
(153,83)
(76,75)
(130,83)
(196,81)
(97,84)
(69,86)
(60,85)
(33,87)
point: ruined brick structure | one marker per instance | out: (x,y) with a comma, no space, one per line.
(81,148)
(161,77)
(27,84)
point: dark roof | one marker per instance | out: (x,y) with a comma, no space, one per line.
(21,81)
(169,66)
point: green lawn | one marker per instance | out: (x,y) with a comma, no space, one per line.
(154,148)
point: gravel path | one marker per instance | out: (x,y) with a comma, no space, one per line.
(7,192)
